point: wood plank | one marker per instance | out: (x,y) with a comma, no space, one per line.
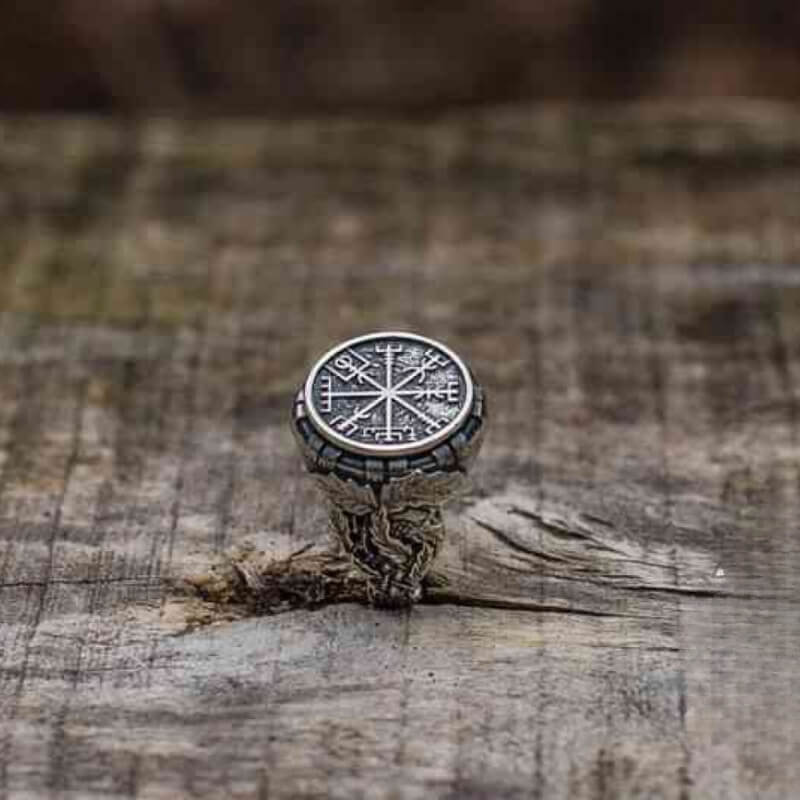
(616,610)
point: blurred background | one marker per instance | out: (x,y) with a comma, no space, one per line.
(392,56)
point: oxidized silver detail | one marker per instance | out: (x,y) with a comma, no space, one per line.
(386,394)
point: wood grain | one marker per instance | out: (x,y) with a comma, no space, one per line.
(617,613)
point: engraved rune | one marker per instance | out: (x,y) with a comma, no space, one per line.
(448,393)
(431,361)
(349,369)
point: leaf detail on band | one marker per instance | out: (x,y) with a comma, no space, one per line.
(422,489)
(347,494)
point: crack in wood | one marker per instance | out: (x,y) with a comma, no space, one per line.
(517,546)
(38,584)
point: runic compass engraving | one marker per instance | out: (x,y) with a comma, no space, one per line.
(388,394)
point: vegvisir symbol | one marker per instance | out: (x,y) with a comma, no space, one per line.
(389,391)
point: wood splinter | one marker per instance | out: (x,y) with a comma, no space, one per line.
(247,582)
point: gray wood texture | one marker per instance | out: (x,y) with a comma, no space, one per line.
(616,612)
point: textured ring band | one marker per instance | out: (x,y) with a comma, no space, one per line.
(388,424)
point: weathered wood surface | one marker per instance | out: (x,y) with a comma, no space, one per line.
(621,617)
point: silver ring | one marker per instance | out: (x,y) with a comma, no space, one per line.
(388,424)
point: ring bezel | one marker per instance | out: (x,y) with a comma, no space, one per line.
(388,450)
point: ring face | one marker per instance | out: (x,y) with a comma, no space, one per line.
(388,394)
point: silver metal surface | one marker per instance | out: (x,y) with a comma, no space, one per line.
(388,394)
(388,424)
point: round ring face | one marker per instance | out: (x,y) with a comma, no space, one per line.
(388,394)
